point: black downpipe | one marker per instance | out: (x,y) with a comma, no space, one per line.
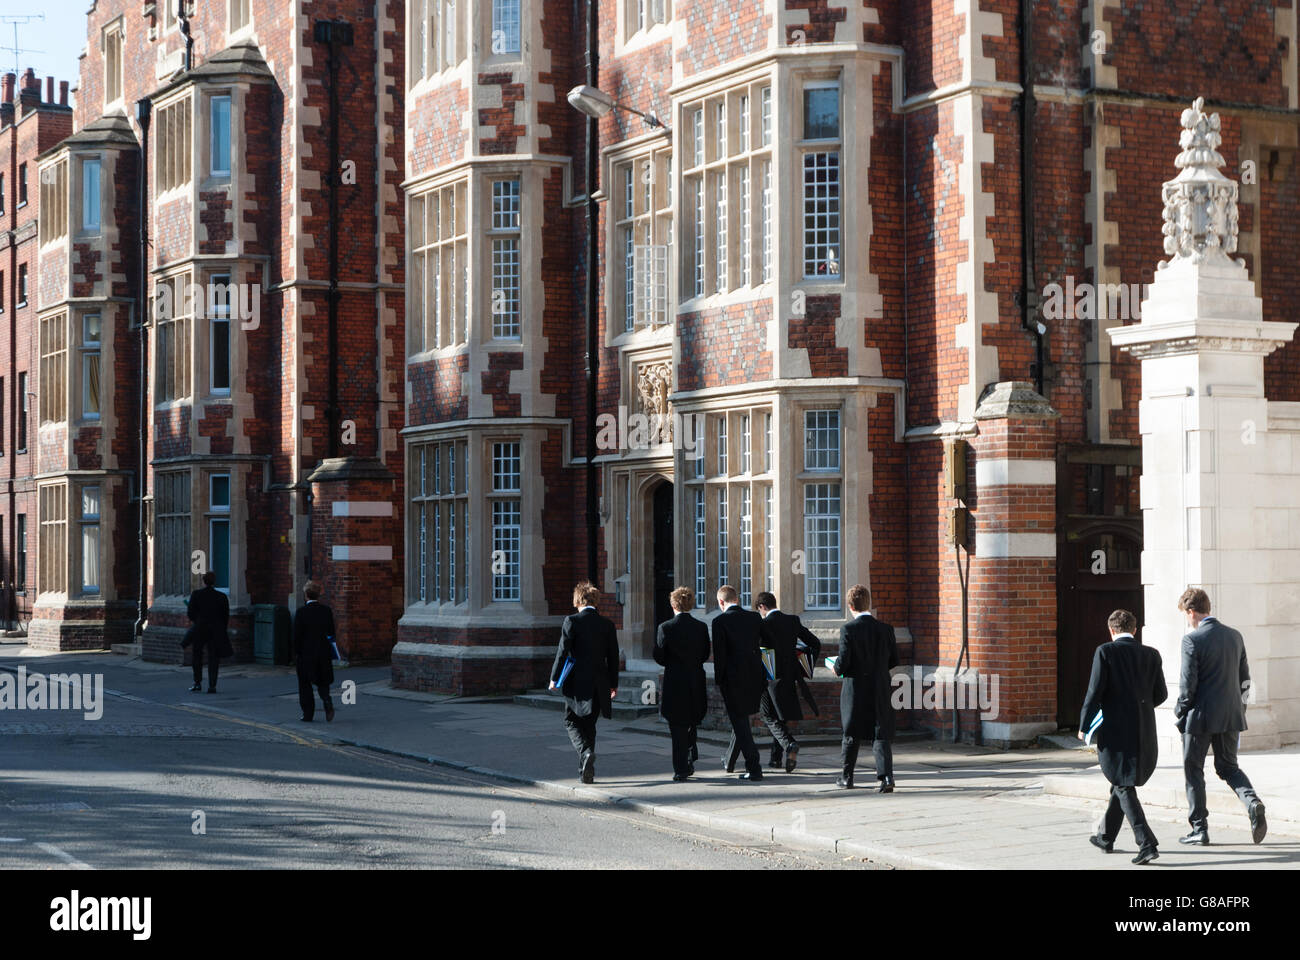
(143,113)
(334,34)
(592,362)
(1029,286)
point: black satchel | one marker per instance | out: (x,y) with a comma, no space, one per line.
(188,640)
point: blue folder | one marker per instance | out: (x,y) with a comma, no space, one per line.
(1092,730)
(564,673)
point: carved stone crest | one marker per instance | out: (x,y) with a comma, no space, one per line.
(653,384)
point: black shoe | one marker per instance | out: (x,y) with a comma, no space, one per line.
(212,689)
(588,769)
(1258,825)
(756,775)
(305,719)
(1102,844)
(1146,855)
(680,778)
(196,688)
(846,784)
(887,785)
(329,713)
(791,759)
(774,764)
(1201,836)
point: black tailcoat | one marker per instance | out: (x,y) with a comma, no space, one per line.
(868,652)
(782,632)
(1127,684)
(313,626)
(592,641)
(737,664)
(681,647)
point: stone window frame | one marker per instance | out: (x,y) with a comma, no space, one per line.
(426,30)
(171,532)
(81,161)
(216,513)
(429,334)
(86,349)
(808,149)
(439,482)
(754,544)
(215,312)
(721,175)
(173,137)
(210,97)
(112,44)
(52,538)
(52,336)
(87,522)
(497,230)
(178,328)
(642,16)
(490,28)
(505,504)
(645,176)
(245,26)
(53,215)
(810,481)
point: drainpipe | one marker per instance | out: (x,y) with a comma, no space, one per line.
(592,365)
(334,34)
(143,113)
(1029,287)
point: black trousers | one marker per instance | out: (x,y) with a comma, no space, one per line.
(683,739)
(307,698)
(1195,746)
(782,739)
(582,731)
(1124,803)
(693,749)
(197,651)
(882,750)
(742,742)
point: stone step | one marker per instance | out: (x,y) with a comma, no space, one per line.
(620,708)
(128,649)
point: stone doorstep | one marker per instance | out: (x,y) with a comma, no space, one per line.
(128,649)
(1166,789)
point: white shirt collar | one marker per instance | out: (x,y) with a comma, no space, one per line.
(728,606)
(864,613)
(1121,636)
(586,607)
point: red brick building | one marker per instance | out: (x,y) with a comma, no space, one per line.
(272,402)
(831,340)
(31,121)
(838,253)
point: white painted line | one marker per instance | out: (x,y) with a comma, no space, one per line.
(345,552)
(11,839)
(63,855)
(362,508)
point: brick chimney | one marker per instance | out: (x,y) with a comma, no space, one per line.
(63,93)
(29,97)
(49,89)
(7,99)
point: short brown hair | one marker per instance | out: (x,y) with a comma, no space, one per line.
(312,590)
(859,598)
(682,599)
(1121,621)
(585,594)
(727,594)
(1194,598)
(209,578)
(765,599)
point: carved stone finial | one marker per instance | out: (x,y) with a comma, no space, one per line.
(654,383)
(1200,203)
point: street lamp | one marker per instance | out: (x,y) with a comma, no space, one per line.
(597,103)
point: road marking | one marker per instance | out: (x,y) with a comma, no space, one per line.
(63,855)
(11,839)
(216,715)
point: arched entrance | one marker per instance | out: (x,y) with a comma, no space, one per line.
(1100,570)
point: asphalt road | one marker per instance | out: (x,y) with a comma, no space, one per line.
(132,793)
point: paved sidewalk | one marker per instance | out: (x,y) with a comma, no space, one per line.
(956,806)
